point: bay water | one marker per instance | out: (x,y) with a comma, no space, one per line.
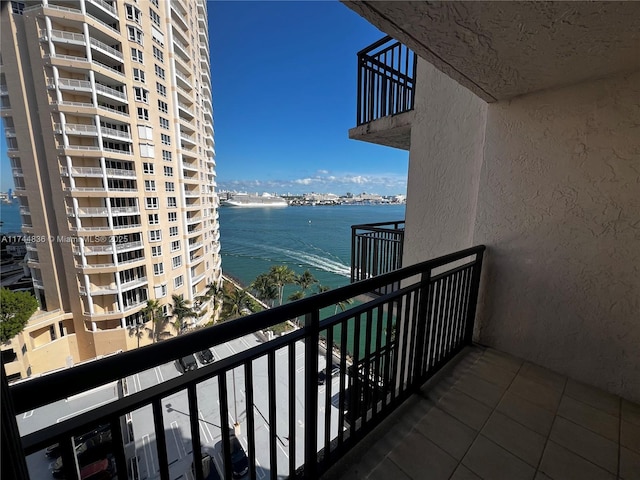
(314,238)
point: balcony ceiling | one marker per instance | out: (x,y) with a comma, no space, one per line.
(499,50)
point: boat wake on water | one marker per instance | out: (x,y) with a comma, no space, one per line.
(306,259)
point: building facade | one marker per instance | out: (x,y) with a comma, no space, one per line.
(108,117)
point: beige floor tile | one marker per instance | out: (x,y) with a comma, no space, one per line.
(480,389)
(466,409)
(540,395)
(386,470)
(488,460)
(543,376)
(542,476)
(629,464)
(593,396)
(630,412)
(463,473)
(514,437)
(562,464)
(419,458)
(493,373)
(585,443)
(630,436)
(453,436)
(590,417)
(502,360)
(531,416)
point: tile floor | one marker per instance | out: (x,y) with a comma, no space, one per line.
(494,416)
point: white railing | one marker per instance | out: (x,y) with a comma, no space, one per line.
(112,132)
(110,91)
(133,260)
(62,35)
(109,67)
(65,103)
(17,172)
(82,147)
(195,245)
(69,57)
(106,6)
(106,48)
(183,78)
(86,171)
(73,83)
(99,249)
(112,110)
(25,211)
(135,305)
(38,283)
(134,283)
(88,211)
(125,210)
(119,172)
(123,189)
(79,129)
(57,7)
(114,150)
(85,189)
(90,229)
(124,227)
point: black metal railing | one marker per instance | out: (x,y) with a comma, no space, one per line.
(376,249)
(386,80)
(377,354)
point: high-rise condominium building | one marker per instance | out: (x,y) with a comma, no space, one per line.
(107,112)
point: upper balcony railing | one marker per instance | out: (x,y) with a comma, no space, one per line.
(376,353)
(376,249)
(386,80)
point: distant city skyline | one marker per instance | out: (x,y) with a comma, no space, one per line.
(284,94)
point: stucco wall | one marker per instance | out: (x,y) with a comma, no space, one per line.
(559,209)
(444,166)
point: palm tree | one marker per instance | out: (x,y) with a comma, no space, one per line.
(305,280)
(181,310)
(153,313)
(281,275)
(265,289)
(236,302)
(322,289)
(342,305)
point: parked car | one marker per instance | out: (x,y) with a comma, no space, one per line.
(100,470)
(91,450)
(322,376)
(186,363)
(239,460)
(209,469)
(205,356)
(53,451)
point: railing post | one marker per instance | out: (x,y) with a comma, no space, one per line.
(311,340)
(423,319)
(473,298)
(14,464)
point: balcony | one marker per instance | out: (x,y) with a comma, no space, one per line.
(376,249)
(386,94)
(383,349)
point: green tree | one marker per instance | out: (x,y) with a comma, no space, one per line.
(15,310)
(342,305)
(305,280)
(213,292)
(153,313)
(236,302)
(265,289)
(281,275)
(181,310)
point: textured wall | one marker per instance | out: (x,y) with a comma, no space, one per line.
(559,208)
(444,166)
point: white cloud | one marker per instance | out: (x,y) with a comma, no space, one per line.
(381,183)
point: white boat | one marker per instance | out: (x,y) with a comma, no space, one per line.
(249,200)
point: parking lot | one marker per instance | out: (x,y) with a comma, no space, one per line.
(176,419)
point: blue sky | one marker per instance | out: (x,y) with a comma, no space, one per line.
(284,95)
